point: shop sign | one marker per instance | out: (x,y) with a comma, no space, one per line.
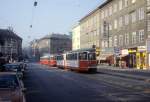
(124,52)
(108,50)
(141,48)
(117,51)
(131,51)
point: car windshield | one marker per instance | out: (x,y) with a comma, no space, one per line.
(8,81)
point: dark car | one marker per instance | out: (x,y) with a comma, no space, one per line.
(11,88)
(15,67)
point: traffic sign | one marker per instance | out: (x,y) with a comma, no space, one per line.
(117,51)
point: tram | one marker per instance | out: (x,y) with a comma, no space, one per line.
(81,60)
(52,61)
(44,60)
(60,60)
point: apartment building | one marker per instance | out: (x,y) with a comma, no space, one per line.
(90,30)
(121,28)
(54,44)
(10,45)
(76,37)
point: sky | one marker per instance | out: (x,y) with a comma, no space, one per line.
(49,16)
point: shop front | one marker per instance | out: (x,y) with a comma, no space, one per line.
(106,56)
(131,62)
(141,57)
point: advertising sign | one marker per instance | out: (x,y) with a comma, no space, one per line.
(116,50)
(124,52)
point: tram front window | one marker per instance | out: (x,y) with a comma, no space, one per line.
(83,56)
(92,56)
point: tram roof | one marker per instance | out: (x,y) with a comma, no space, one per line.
(83,50)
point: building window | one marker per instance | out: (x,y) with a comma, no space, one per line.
(120,40)
(141,35)
(127,19)
(102,15)
(110,42)
(115,40)
(110,26)
(126,3)
(106,13)
(133,16)
(126,39)
(115,24)
(106,43)
(134,38)
(148,2)
(133,1)
(110,10)
(120,5)
(115,8)
(103,45)
(148,25)
(141,13)
(120,21)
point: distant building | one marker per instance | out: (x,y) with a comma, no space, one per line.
(54,44)
(34,49)
(76,37)
(10,44)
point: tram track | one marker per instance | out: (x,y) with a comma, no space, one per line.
(96,80)
(123,83)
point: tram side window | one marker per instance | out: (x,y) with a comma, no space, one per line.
(83,56)
(92,56)
(72,56)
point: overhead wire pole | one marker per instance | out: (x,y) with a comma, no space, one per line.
(34,5)
(33,11)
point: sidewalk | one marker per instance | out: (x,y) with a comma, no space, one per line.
(131,73)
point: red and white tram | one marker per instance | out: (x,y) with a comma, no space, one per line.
(48,60)
(60,60)
(52,61)
(81,60)
(44,60)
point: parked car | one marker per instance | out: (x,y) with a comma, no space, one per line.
(11,88)
(15,67)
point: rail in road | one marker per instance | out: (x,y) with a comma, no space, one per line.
(68,86)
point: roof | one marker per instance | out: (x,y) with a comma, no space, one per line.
(93,11)
(83,50)
(5,33)
(57,36)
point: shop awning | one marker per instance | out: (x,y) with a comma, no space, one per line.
(123,55)
(104,56)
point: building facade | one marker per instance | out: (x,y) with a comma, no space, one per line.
(123,26)
(120,27)
(90,30)
(10,45)
(54,44)
(76,37)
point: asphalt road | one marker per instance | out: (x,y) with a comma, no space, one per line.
(56,85)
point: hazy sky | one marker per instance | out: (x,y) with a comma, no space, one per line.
(49,16)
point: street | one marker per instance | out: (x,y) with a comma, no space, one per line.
(45,84)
